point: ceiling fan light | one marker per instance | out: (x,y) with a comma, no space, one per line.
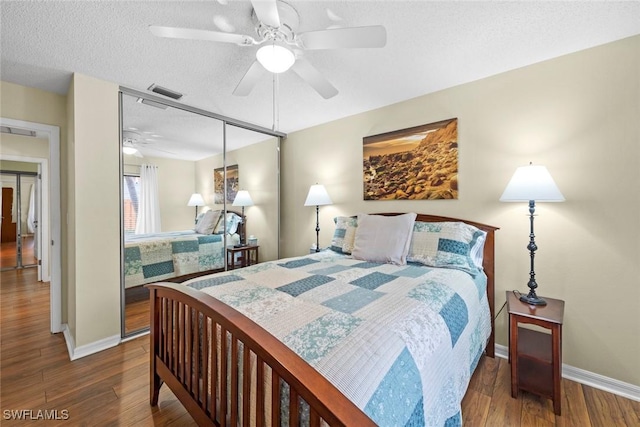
(275,58)
(129,150)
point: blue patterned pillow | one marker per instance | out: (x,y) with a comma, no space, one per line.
(446,244)
(344,235)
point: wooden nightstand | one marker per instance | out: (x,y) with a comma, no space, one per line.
(243,256)
(536,357)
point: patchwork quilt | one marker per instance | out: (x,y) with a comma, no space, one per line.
(157,257)
(401,342)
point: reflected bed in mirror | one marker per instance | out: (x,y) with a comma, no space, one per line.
(184,147)
(174,256)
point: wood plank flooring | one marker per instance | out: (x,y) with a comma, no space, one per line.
(8,253)
(111,388)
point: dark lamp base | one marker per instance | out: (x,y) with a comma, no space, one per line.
(532,300)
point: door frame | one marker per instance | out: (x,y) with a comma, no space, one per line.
(50,209)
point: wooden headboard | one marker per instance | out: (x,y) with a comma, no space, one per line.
(488,263)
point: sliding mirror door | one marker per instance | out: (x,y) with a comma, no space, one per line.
(250,189)
(161,147)
(175,171)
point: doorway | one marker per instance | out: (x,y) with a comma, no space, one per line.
(20,233)
(50,219)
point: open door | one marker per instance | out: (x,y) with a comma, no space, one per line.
(34,215)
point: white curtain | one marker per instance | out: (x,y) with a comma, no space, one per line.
(31,212)
(148,220)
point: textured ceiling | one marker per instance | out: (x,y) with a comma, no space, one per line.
(430,46)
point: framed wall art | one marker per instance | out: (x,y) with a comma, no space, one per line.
(232,184)
(418,163)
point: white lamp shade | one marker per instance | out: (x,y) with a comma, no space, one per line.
(196,200)
(532,182)
(317,196)
(242,199)
(275,58)
(129,150)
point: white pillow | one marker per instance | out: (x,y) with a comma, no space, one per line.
(382,238)
(208,222)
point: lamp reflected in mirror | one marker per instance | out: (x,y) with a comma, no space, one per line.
(243,198)
(196,200)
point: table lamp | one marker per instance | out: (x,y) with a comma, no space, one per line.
(243,198)
(532,183)
(196,200)
(317,197)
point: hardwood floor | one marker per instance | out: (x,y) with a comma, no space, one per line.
(136,309)
(111,388)
(107,388)
(8,252)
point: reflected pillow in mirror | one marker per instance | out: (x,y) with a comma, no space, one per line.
(208,222)
(231,224)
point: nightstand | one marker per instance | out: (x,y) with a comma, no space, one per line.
(536,357)
(243,256)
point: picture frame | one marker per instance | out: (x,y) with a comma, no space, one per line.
(233,182)
(417,163)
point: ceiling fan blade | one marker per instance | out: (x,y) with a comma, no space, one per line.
(311,75)
(193,34)
(267,12)
(249,80)
(345,38)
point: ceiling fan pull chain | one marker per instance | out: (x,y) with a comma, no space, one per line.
(276,104)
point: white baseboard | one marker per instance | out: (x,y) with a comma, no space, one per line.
(591,379)
(87,349)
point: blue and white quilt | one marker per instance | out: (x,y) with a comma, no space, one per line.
(401,342)
(150,258)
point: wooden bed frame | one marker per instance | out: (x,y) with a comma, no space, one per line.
(186,330)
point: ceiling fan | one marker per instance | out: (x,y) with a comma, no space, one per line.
(132,142)
(276,23)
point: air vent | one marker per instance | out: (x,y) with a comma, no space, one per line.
(165,92)
(17,131)
(152,103)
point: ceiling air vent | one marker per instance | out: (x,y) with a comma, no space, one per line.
(165,92)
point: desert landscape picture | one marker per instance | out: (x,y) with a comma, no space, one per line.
(419,163)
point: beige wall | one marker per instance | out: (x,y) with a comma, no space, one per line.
(176,183)
(258,172)
(94,213)
(24,146)
(10,165)
(578,115)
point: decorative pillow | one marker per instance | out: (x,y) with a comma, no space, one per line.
(477,249)
(382,238)
(344,234)
(207,223)
(232,224)
(446,244)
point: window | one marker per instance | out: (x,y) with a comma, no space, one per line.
(131,197)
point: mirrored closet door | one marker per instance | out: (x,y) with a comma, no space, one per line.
(20,214)
(183,175)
